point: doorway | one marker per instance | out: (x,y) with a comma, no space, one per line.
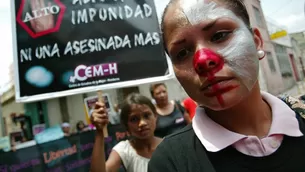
(294,67)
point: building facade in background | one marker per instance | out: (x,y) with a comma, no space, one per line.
(298,44)
(270,75)
(36,111)
(287,53)
(299,56)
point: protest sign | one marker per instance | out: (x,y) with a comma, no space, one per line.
(71,153)
(89,107)
(90,103)
(65,47)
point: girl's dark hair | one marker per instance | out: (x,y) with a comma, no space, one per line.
(78,125)
(154,86)
(132,99)
(237,6)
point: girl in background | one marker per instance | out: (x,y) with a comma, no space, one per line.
(139,117)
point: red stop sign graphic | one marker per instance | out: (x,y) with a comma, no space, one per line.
(41,17)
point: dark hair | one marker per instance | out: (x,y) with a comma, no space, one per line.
(131,99)
(154,86)
(237,6)
(78,127)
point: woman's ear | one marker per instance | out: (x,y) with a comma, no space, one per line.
(259,42)
(258,39)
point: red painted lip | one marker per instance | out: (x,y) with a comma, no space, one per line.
(213,82)
(220,91)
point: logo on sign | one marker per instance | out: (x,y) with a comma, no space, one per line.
(40,17)
(82,72)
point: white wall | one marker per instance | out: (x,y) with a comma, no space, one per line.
(54,113)
(160,5)
(76,109)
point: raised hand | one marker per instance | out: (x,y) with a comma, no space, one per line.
(45,22)
(99,117)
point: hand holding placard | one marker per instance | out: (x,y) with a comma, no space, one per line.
(99,117)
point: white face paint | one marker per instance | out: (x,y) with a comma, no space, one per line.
(241,53)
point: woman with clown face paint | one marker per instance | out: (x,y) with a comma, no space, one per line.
(237,127)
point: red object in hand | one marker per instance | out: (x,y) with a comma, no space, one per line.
(206,63)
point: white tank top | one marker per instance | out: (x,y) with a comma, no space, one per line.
(131,160)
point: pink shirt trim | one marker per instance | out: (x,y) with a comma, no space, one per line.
(214,137)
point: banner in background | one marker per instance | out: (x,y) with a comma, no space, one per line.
(71,153)
(49,134)
(65,47)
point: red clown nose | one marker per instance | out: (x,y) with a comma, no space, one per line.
(206,62)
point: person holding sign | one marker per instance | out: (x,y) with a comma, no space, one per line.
(139,116)
(172,116)
(237,128)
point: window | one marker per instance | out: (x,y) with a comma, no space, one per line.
(270,62)
(283,59)
(280,49)
(258,16)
